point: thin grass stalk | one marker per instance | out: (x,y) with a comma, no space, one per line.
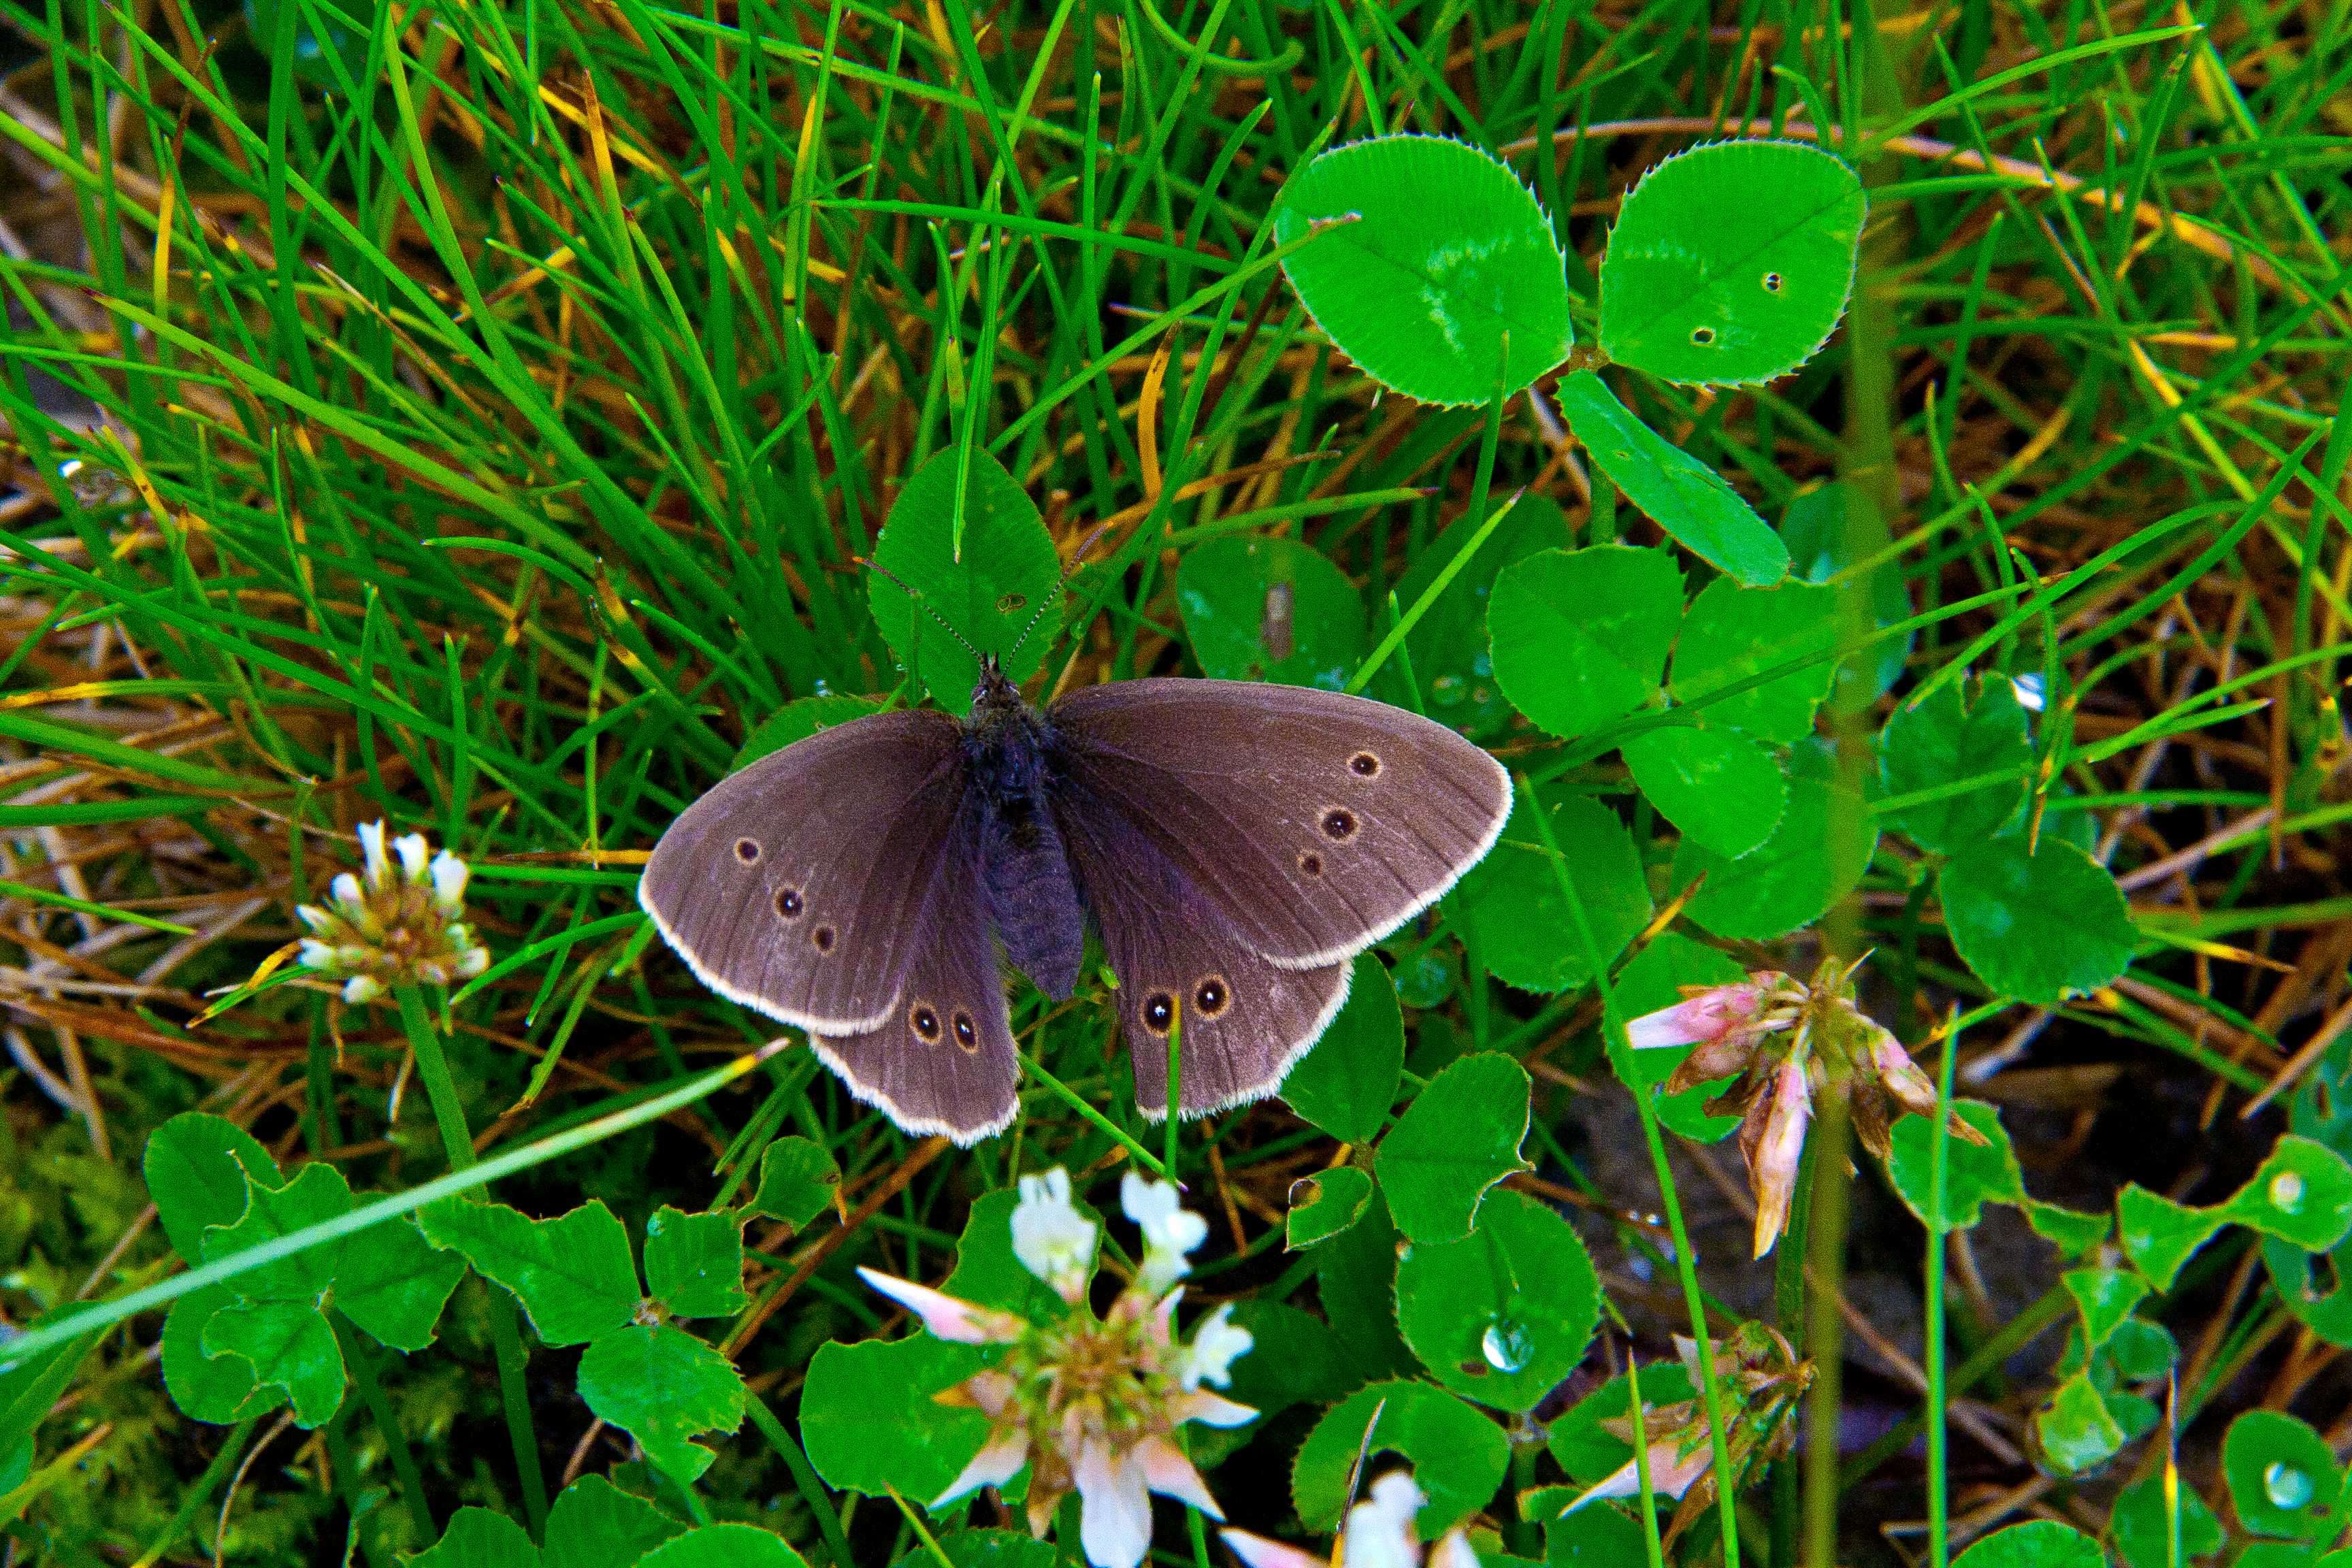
(1620,1048)
(1939,1167)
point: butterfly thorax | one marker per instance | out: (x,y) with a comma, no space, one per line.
(1032,897)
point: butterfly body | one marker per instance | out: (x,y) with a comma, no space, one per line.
(1234,844)
(1032,897)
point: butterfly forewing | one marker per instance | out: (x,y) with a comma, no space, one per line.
(1245,1020)
(943,1060)
(1315,822)
(796,886)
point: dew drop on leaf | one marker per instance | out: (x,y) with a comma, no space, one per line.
(1508,1345)
(2288,1486)
(2286,1191)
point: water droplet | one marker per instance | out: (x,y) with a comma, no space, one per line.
(2286,1191)
(2288,1486)
(1305,1192)
(1508,1345)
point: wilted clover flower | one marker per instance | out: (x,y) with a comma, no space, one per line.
(390,927)
(1760,1381)
(1378,1534)
(1090,1404)
(1790,1043)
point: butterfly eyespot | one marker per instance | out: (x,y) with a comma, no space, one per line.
(1771,283)
(1338,825)
(925,1022)
(1159,1012)
(747,851)
(967,1033)
(821,939)
(1311,863)
(1211,995)
(788,903)
(1364,765)
(1702,336)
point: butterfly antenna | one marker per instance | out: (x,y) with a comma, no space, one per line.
(1078,559)
(916,594)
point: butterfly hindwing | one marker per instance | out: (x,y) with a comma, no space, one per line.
(1245,1020)
(943,1060)
(795,886)
(1315,822)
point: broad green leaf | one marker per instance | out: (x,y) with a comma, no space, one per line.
(1347,1083)
(2302,1194)
(290,1346)
(2316,1289)
(869,1422)
(1586,1449)
(391,1282)
(662,1385)
(1295,1358)
(2143,1532)
(987,1272)
(1271,609)
(595,1524)
(1355,1278)
(1458,1453)
(1940,743)
(985,1548)
(1814,857)
(1448,258)
(220,1389)
(2036,927)
(2282,1475)
(2139,1350)
(1450,644)
(1006,577)
(1324,1204)
(572,1273)
(1503,1315)
(2159,1236)
(1974,1175)
(1509,908)
(1695,505)
(724,1546)
(2322,1106)
(694,1263)
(1581,637)
(317,1194)
(481,1538)
(2283,1554)
(1598,1535)
(2038,1543)
(1458,1139)
(196,1167)
(2076,1431)
(1719,788)
(2104,1298)
(1653,980)
(798,720)
(1732,634)
(1829,531)
(2072,1233)
(797,1181)
(1730,264)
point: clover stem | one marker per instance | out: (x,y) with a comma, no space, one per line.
(506,1338)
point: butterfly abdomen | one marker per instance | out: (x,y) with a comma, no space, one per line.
(1032,897)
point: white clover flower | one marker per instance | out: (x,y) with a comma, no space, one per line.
(388,927)
(1216,1342)
(1380,1533)
(1169,1231)
(1050,1238)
